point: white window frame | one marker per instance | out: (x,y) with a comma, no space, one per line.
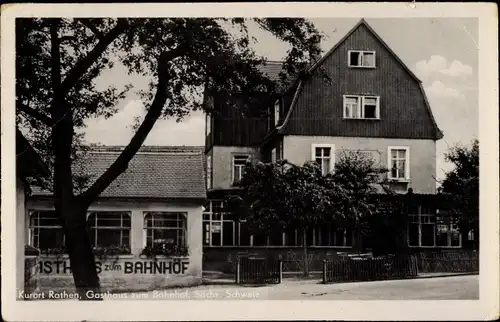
(232,166)
(407,164)
(209,172)
(420,222)
(449,234)
(223,219)
(183,228)
(361,53)
(93,225)
(361,107)
(31,227)
(277,105)
(208,124)
(332,233)
(323,146)
(274,156)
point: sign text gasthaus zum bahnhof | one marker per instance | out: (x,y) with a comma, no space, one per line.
(120,266)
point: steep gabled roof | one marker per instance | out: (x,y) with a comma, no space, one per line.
(362,22)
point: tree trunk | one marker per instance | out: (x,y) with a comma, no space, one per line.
(80,252)
(306,259)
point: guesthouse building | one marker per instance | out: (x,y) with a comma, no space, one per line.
(146,227)
(372,103)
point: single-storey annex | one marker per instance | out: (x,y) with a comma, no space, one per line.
(146,227)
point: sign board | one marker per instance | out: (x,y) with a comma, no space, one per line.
(51,266)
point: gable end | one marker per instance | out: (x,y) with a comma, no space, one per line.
(309,92)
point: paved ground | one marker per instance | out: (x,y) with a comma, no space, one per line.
(444,288)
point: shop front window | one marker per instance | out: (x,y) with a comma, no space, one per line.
(109,228)
(165,227)
(427,229)
(45,230)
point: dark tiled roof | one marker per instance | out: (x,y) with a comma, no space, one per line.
(153,148)
(271,69)
(154,172)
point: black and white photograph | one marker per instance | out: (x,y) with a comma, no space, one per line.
(270,161)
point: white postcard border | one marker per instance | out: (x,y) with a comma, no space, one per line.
(485,308)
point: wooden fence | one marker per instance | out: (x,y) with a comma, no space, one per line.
(252,270)
(450,262)
(369,269)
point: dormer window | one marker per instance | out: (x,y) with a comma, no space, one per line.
(276,112)
(361,107)
(361,59)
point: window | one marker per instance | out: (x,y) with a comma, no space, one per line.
(361,107)
(165,227)
(370,108)
(399,163)
(45,230)
(470,235)
(359,58)
(291,237)
(239,162)
(208,124)
(277,112)
(351,107)
(447,233)
(109,228)
(429,230)
(209,172)
(324,155)
(422,230)
(329,236)
(219,229)
(244,236)
(260,239)
(326,236)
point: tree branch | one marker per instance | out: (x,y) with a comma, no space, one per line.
(45,119)
(93,28)
(84,64)
(120,165)
(55,54)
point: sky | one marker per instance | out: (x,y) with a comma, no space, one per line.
(442,52)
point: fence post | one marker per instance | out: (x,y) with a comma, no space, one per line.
(414,260)
(238,270)
(324,271)
(281,271)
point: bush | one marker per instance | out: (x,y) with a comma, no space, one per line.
(109,251)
